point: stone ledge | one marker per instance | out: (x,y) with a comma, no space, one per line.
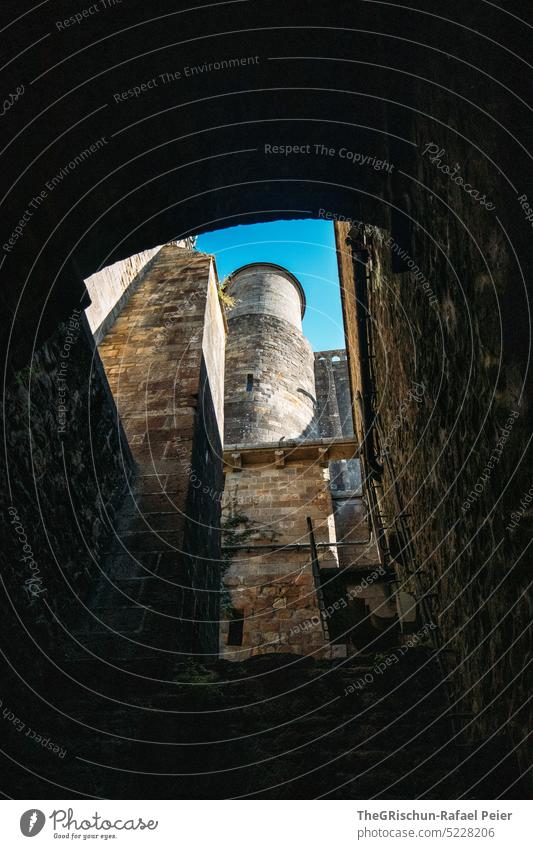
(249,454)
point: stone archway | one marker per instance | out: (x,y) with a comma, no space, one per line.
(338,119)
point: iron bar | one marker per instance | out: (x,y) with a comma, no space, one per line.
(296,546)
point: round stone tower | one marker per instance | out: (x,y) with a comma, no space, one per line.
(269,383)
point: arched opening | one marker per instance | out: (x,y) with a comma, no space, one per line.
(150,134)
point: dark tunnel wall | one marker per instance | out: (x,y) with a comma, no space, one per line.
(188,155)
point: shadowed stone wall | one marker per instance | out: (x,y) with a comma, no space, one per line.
(68,469)
(453,418)
(165,361)
(270,397)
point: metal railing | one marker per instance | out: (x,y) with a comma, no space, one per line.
(315,567)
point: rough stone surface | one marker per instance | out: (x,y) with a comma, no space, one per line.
(269,383)
(110,288)
(164,357)
(68,469)
(446,393)
(275,590)
(265,289)
(334,414)
(282,612)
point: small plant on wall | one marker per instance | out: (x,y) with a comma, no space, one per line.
(223,295)
(236,530)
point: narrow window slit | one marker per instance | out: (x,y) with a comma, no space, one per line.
(236,630)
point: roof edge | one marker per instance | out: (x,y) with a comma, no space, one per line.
(292,277)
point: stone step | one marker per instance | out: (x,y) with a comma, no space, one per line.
(262,729)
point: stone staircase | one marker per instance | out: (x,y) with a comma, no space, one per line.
(274,727)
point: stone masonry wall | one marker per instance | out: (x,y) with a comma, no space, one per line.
(265,289)
(454,419)
(334,408)
(110,288)
(165,378)
(334,416)
(371,605)
(275,590)
(281,399)
(68,469)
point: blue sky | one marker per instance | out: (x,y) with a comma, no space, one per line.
(307,248)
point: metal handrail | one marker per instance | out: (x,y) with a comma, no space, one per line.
(293,546)
(316,578)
